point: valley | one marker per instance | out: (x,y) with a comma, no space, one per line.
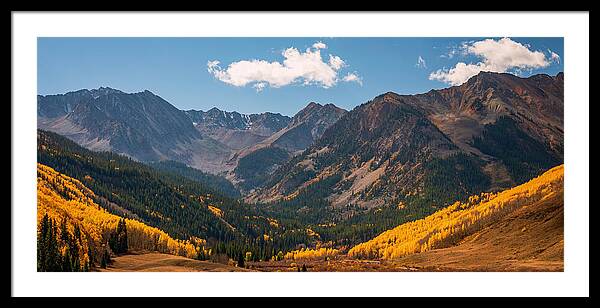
(467,178)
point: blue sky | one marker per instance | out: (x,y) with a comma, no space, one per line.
(251,75)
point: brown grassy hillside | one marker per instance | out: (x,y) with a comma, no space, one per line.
(529,239)
(517,229)
(160,262)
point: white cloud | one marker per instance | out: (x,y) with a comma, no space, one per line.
(497,56)
(421,63)
(554,57)
(306,67)
(336,62)
(352,77)
(319,45)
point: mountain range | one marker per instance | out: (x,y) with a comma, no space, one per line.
(237,130)
(488,134)
(495,131)
(140,125)
(147,128)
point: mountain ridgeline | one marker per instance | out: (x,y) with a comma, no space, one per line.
(147,128)
(237,130)
(493,132)
(140,125)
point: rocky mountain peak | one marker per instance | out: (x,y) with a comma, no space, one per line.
(104,91)
(315,112)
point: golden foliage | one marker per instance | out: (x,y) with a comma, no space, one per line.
(447,226)
(62,197)
(215,210)
(312,233)
(318,253)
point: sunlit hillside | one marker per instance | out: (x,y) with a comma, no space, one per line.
(82,230)
(449,225)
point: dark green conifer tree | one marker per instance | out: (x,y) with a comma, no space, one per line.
(241,260)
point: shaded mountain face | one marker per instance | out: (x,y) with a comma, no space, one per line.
(306,126)
(147,128)
(493,132)
(264,122)
(256,163)
(140,125)
(237,130)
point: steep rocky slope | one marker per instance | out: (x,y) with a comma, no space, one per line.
(237,130)
(490,133)
(255,163)
(140,125)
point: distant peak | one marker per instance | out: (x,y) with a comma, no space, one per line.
(482,75)
(495,77)
(333,107)
(105,91)
(311,107)
(487,73)
(486,77)
(79,91)
(108,89)
(214,110)
(387,96)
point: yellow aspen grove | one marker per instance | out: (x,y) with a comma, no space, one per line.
(319,253)
(447,226)
(63,198)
